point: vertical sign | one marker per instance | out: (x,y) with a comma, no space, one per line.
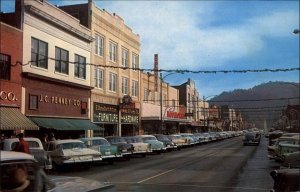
(156,72)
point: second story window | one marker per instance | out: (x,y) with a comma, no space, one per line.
(125,56)
(124,85)
(80,66)
(135,90)
(112,52)
(39,53)
(99,45)
(113,82)
(61,60)
(99,78)
(135,61)
(5,66)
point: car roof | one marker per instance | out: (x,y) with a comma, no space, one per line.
(92,138)
(12,155)
(66,141)
(146,135)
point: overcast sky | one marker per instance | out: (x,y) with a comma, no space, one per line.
(214,35)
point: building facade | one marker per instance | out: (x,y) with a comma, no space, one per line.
(56,72)
(115,97)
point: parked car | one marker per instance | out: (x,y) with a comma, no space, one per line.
(189,138)
(291,160)
(140,148)
(286,180)
(178,140)
(274,135)
(252,138)
(167,142)
(31,177)
(283,145)
(71,151)
(126,148)
(36,149)
(156,146)
(108,152)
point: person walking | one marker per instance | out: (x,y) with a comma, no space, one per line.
(22,145)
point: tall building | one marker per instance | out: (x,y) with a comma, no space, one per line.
(115,97)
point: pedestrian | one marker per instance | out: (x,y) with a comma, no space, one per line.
(45,141)
(22,145)
(52,138)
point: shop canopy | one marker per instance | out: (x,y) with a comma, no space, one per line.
(65,124)
(11,118)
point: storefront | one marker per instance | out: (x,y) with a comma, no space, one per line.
(57,107)
(129,120)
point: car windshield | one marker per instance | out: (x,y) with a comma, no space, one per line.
(149,139)
(72,145)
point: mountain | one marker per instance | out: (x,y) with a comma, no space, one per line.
(262,102)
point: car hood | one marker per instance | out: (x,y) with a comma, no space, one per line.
(79,151)
(72,184)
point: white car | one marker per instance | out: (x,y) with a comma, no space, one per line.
(139,146)
(35,149)
(156,145)
(21,172)
(71,151)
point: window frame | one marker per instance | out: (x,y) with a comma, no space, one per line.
(35,61)
(33,106)
(113,51)
(125,85)
(77,66)
(112,82)
(135,61)
(59,61)
(125,57)
(99,78)
(99,45)
(5,66)
(135,90)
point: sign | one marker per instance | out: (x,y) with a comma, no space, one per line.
(129,116)
(175,115)
(105,113)
(59,100)
(10,96)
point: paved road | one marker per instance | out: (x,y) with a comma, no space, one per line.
(221,166)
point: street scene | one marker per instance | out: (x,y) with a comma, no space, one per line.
(149,96)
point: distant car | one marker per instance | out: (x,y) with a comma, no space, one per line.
(31,177)
(178,140)
(286,180)
(251,138)
(282,145)
(156,146)
(191,140)
(35,149)
(140,148)
(71,151)
(126,148)
(108,152)
(167,142)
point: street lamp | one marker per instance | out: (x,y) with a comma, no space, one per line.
(161,102)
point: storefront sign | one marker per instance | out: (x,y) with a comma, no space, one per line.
(10,96)
(59,100)
(175,115)
(105,113)
(129,116)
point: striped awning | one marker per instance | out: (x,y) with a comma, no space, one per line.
(11,118)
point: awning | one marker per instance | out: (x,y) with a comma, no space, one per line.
(13,119)
(65,124)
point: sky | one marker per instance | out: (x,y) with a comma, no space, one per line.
(214,36)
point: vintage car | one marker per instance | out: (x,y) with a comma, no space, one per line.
(71,151)
(274,135)
(167,142)
(108,152)
(178,140)
(291,160)
(156,146)
(191,140)
(21,172)
(252,138)
(201,137)
(286,180)
(140,148)
(126,148)
(282,145)
(35,149)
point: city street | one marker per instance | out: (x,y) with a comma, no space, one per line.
(221,166)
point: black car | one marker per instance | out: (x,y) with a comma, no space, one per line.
(252,138)
(286,180)
(125,148)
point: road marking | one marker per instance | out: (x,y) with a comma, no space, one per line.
(155,176)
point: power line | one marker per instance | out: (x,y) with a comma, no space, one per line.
(166,70)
